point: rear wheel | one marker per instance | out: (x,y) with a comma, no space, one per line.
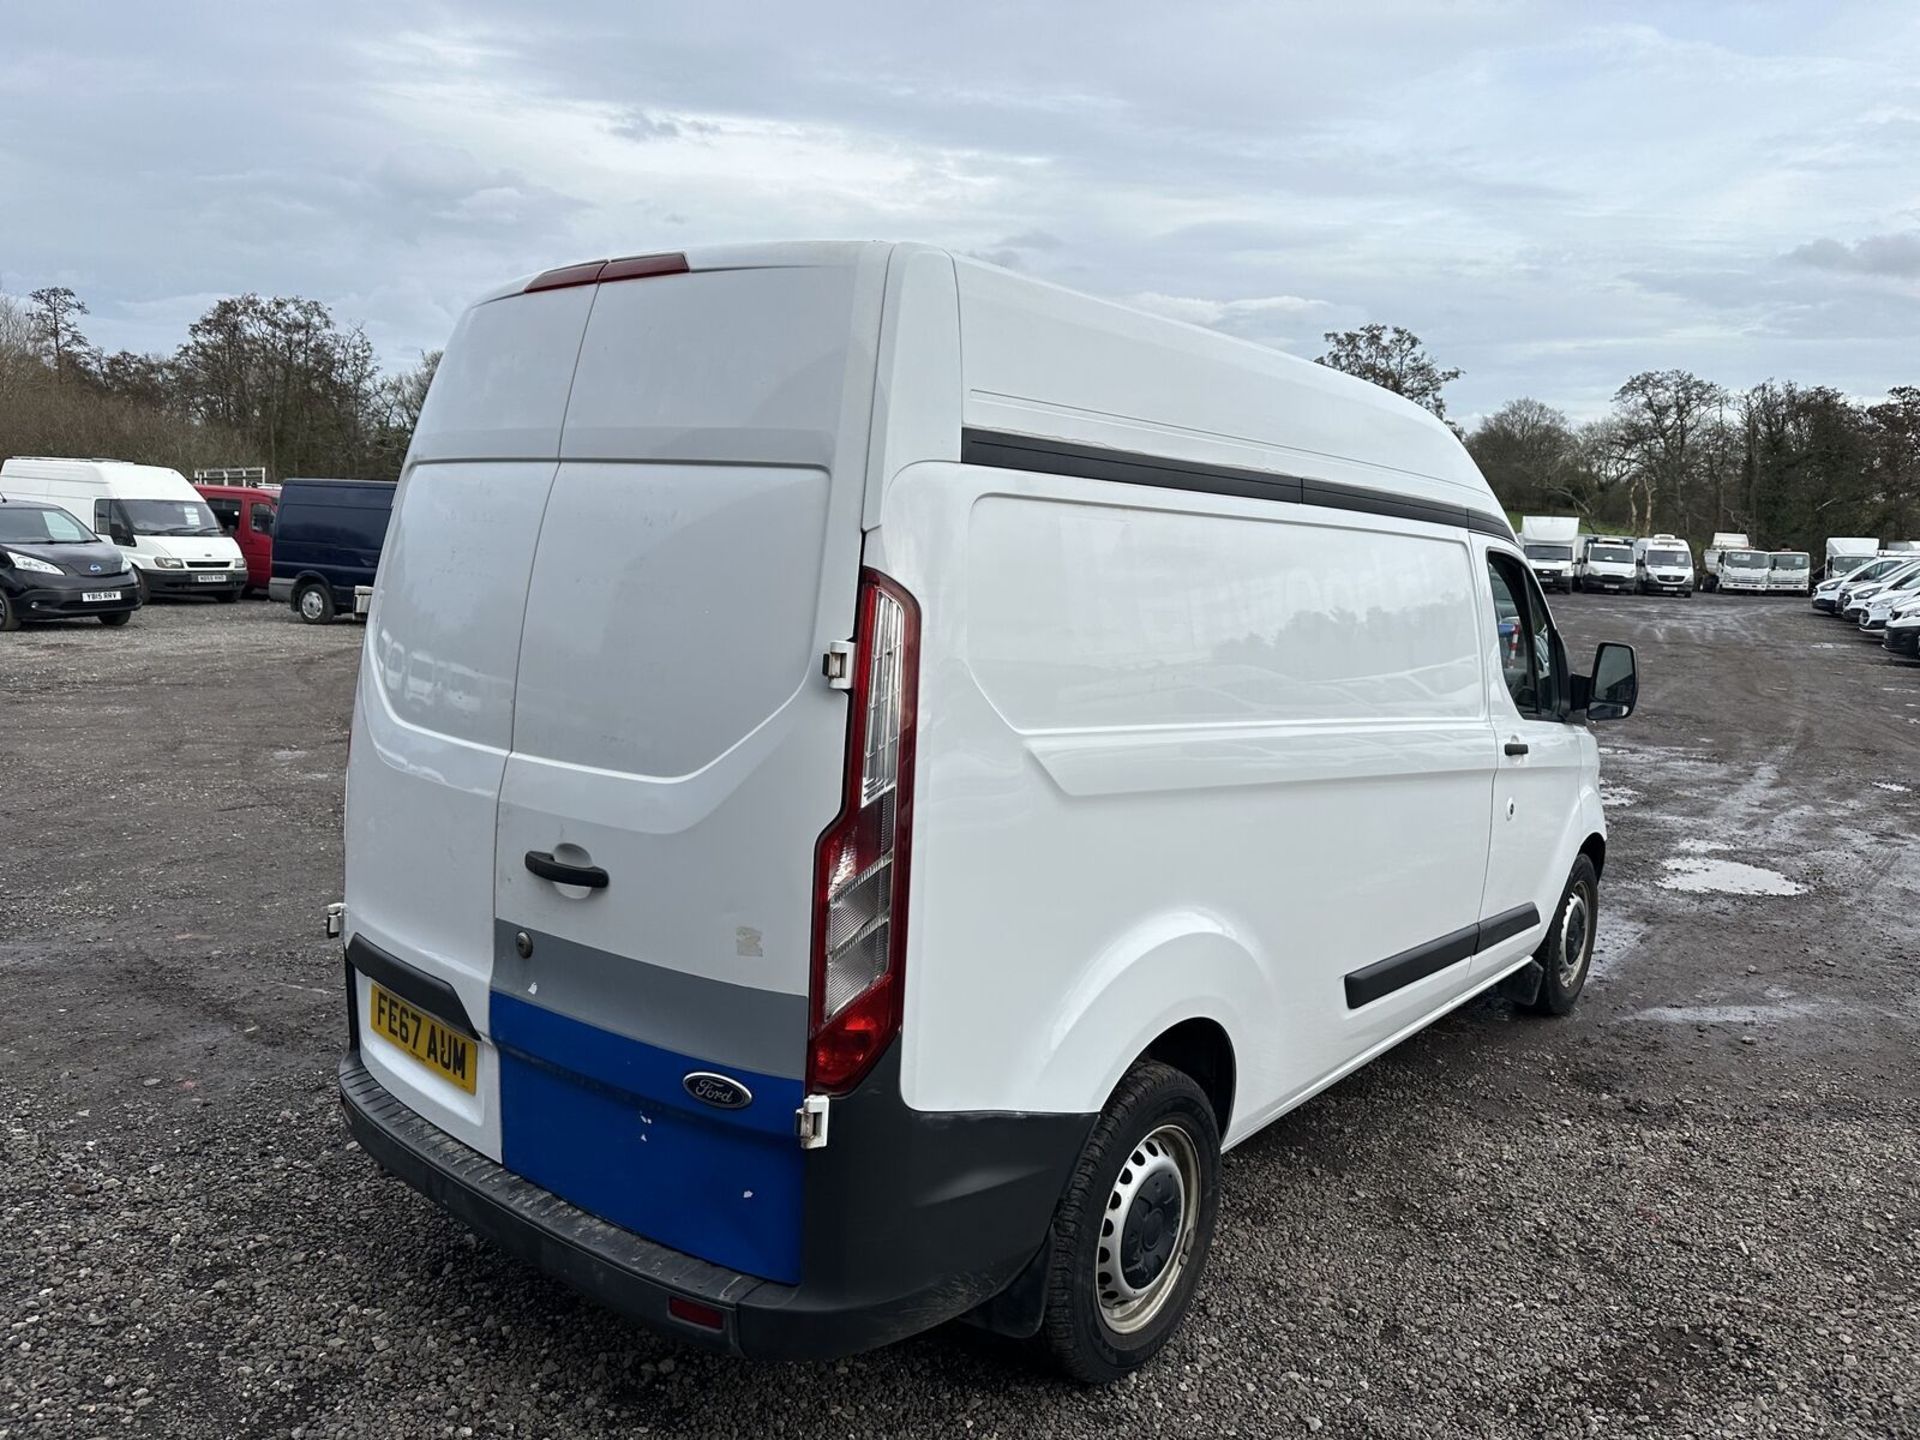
(9,612)
(1131,1233)
(118,617)
(314,603)
(1566,955)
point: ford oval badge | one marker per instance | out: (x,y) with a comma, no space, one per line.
(717,1090)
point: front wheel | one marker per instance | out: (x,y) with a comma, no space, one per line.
(9,612)
(228,597)
(140,584)
(1566,955)
(1131,1233)
(117,618)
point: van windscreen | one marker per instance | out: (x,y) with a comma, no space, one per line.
(1549,552)
(1610,554)
(168,517)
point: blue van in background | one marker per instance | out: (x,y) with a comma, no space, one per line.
(326,541)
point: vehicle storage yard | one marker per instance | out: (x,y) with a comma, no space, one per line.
(1692,1208)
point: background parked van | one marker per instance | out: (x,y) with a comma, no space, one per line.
(157,519)
(1664,565)
(327,540)
(1607,564)
(1745,571)
(845,750)
(1549,543)
(245,513)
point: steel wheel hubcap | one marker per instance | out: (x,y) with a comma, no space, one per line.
(1576,936)
(1146,1234)
(310,604)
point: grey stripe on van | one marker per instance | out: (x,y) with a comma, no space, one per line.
(712,1021)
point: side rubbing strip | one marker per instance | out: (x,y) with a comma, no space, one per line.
(1005,451)
(1383,977)
(1506,925)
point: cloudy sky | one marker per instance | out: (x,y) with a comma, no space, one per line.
(1552,195)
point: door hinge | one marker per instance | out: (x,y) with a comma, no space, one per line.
(810,1122)
(837,664)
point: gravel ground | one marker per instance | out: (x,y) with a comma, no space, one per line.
(1691,1209)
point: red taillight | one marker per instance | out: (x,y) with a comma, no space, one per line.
(598,272)
(694,1313)
(860,865)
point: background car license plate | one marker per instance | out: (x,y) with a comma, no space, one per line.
(436,1045)
(209,579)
(100,595)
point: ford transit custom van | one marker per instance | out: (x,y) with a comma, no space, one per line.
(837,831)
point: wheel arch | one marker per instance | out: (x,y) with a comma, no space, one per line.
(1201,1049)
(1594,847)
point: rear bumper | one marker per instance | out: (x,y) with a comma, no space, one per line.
(914,1219)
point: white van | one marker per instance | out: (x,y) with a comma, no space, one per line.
(1606,563)
(1664,564)
(1790,572)
(1749,571)
(159,521)
(869,772)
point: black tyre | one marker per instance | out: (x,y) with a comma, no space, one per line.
(117,618)
(1566,955)
(228,597)
(9,612)
(140,584)
(313,603)
(1131,1233)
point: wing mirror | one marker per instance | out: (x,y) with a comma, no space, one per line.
(1613,689)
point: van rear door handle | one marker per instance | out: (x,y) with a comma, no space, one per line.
(1514,747)
(542,863)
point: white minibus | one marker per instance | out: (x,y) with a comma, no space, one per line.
(869,772)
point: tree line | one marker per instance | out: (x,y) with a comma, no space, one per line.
(270,381)
(1788,464)
(275,381)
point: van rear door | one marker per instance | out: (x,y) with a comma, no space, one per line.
(433,716)
(676,754)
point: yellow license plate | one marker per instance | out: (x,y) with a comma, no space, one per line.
(439,1047)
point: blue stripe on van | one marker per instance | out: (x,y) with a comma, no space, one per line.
(605,1122)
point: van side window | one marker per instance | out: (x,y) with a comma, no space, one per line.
(1513,631)
(263,517)
(227,512)
(1531,655)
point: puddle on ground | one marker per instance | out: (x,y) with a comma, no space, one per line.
(1704,847)
(1894,786)
(1693,876)
(1618,797)
(1732,1014)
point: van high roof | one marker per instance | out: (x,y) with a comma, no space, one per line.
(1034,361)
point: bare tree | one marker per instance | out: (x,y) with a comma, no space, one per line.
(1393,358)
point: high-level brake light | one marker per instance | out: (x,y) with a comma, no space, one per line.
(860,884)
(600,272)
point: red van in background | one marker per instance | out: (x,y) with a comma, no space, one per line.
(246,513)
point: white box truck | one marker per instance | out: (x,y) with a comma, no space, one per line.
(160,522)
(1723,540)
(1847,553)
(836,834)
(1549,544)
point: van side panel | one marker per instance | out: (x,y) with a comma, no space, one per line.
(1214,754)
